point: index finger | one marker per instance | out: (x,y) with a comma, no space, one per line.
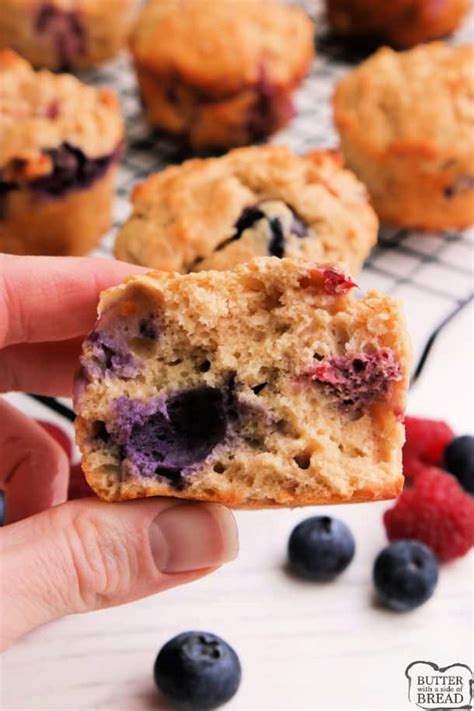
(53,298)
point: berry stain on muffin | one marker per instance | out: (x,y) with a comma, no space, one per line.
(334,281)
(75,35)
(358,379)
(168,436)
(66,30)
(112,346)
(271,109)
(460,185)
(71,170)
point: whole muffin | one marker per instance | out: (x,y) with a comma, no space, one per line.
(60,142)
(400,23)
(220,74)
(406,122)
(215,213)
(65,34)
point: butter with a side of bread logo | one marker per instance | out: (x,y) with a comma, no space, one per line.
(439,688)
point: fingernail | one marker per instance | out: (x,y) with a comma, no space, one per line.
(3,508)
(190,537)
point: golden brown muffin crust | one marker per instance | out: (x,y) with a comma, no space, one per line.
(77,34)
(400,23)
(423,97)
(41,110)
(225,45)
(181,215)
(406,122)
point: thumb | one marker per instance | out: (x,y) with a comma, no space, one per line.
(85,555)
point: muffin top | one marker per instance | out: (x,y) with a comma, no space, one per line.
(190,213)
(420,100)
(71,5)
(42,110)
(400,23)
(224,45)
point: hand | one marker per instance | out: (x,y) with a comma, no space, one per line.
(60,558)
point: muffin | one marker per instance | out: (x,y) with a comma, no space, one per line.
(400,23)
(406,122)
(215,213)
(220,74)
(269,385)
(65,34)
(60,143)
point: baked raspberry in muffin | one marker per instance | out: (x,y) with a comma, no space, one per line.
(65,34)
(406,122)
(267,385)
(220,74)
(60,142)
(260,201)
(400,23)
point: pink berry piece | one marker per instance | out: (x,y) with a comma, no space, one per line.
(357,379)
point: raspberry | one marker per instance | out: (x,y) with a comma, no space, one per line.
(435,511)
(78,486)
(425,443)
(59,435)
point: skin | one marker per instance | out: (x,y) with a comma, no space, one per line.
(61,558)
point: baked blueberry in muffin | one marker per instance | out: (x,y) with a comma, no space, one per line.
(220,74)
(267,385)
(60,143)
(400,23)
(407,131)
(260,201)
(65,34)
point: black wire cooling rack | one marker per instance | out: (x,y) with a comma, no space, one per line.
(431,273)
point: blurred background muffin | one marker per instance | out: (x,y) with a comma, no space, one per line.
(400,23)
(220,74)
(60,143)
(65,34)
(258,201)
(406,124)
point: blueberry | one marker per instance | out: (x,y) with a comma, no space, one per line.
(459,460)
(197,670)
(147,328)
(72,170)
(320,548)
(166,437)
(249,216)
(276,248)
(195,423)
(460,185)
(405,575)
